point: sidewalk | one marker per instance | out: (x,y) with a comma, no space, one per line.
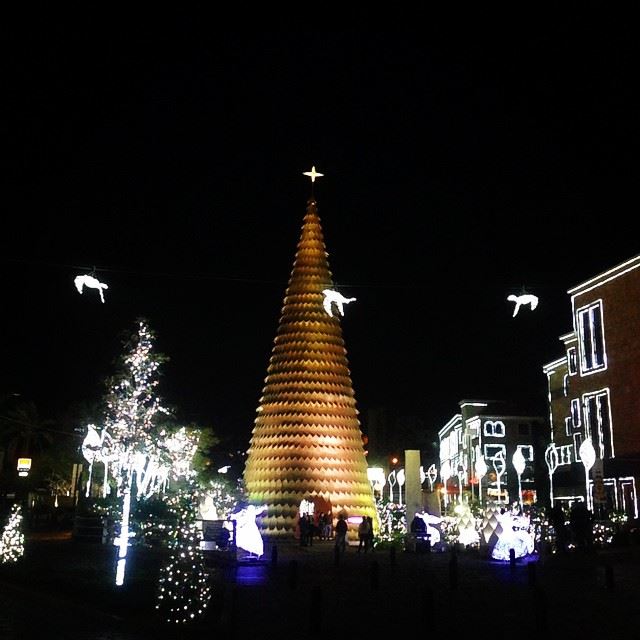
(70,588)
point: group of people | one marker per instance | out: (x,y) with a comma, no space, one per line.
(309,527)
(580,529)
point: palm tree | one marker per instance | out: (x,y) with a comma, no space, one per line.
(23,431)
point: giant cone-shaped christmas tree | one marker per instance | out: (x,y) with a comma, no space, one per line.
(306,442)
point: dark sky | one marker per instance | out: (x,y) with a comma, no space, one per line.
(457,171)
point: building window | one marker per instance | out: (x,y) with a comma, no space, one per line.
(572,361)
(565,385)
(492,450)
(577,441)
(598,422)
(568,426)
(494,429)
(527,451)
(592,354)
(575,413)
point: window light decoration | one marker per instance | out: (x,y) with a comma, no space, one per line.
(91,283)
(306,440)
(445,474)
(12,539)
(523,299)
(500,465)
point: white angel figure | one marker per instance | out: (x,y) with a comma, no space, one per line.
(331,296)
(525,298)
(91,282)
(247,533)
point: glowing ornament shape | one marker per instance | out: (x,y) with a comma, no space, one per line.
(313,174)
(588,457)
(331,297)
(91,283)
(247,533)
(523,299)
(515,535)
(432,532)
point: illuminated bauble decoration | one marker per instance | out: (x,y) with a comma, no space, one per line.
(515,535)
(306,441)
(332,297)
(91,283)
(523,299)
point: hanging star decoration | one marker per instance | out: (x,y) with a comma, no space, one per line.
(523,299)
(90,282)
(313,174)
(331,297)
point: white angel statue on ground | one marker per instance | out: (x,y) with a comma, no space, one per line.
(247,533)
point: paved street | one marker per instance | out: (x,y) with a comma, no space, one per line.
(307,594)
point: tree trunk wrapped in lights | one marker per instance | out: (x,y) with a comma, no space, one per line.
(306,441)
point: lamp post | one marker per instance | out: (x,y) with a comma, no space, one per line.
(519,464)
(432,474)
(588,457)
(500,465)
(551,458)
(481,471)
(460,474)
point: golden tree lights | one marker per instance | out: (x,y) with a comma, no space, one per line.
(306,440)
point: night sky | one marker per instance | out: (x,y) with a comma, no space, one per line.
(457,171)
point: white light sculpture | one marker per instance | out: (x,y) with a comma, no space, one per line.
(588,457)
(432,474)
(500,465)
(401,480)
(91,283)
(551,458)
(515,535)
(331,297)
(433,533)
(12,538)
(481,471)
(523,299)
(423,475)
(313,174)
(519,464)
(247,533)
(376,477)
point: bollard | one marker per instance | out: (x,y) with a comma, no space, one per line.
(540,610)
(428,612)
(375,575)
(315,611)
(392,556)
(531,573)
(608,577)
(512,559)
(293,574)
(453,571)
(274,556)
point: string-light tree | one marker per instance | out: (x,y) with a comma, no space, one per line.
(142,451)
(12,540)
(183,589)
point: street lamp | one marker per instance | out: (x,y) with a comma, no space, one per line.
(588,457)
(481,471)
(500,465)
(519,464)
(551,458)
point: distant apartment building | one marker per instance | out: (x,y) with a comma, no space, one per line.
(594,393)
(493,431)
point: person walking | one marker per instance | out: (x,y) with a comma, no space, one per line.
(341,534)
(363,534)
